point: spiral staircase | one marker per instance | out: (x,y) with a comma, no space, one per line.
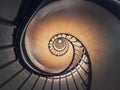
(80,35)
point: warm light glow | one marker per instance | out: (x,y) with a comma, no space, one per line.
(42,29)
